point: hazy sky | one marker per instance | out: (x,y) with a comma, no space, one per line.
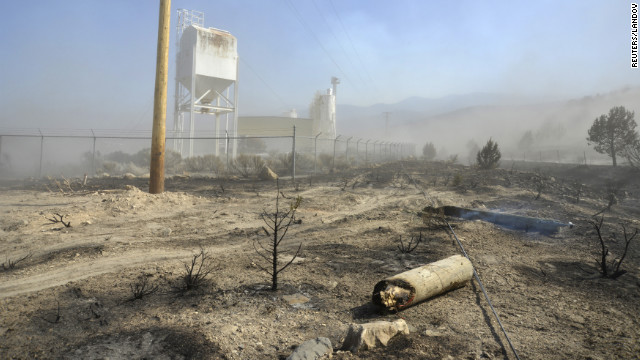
(91,64)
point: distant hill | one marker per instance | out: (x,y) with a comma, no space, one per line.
(454,123)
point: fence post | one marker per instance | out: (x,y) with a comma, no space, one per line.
(347,152)
(293,156)
(373,155)
(333,163)
(41,152)
(93,157)
(315,153)
(226,150)
(366,152)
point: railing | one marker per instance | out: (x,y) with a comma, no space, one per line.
(46,152)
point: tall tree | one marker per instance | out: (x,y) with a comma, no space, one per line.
(611,134)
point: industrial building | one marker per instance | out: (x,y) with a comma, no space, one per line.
(206,80)
(207,86)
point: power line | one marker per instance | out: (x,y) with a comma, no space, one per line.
(264,82)
(353,47)
(143,115)
(308,28)
(338,41)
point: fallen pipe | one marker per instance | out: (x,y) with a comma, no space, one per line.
(514,222)
(419,284)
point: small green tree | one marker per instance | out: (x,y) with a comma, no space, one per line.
(429,151)
(611,134)
(489,156)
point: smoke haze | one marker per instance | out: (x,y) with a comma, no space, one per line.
(450,73)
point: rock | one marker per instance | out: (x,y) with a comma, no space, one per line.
(267,174)
(577,319)
(16,225)
(229,329)
(368,336)
(332,285)
(165,232)
(312,349)
(431,333)
(296,299)
(284,259)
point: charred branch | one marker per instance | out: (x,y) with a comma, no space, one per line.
(196,272)
(142,287)
(277,225)
(11,264)
(59,219)
(611,269)
(57,316)
(412,245)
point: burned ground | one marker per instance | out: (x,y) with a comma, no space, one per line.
(71,298)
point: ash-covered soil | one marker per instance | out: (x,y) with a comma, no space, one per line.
(66,292)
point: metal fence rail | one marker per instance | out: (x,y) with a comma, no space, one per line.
(38,153)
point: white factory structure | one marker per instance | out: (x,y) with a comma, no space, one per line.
(207,89)
(323,113)
(206,80)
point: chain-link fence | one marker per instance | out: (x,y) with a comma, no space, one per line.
(39,153)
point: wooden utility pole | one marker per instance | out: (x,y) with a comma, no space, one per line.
(156,174)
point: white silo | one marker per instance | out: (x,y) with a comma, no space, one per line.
(206,78)
(323,113)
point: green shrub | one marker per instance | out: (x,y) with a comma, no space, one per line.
(489,156)
(325,160)
(457,180)
(429,151)
(247,165)
(206,163)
